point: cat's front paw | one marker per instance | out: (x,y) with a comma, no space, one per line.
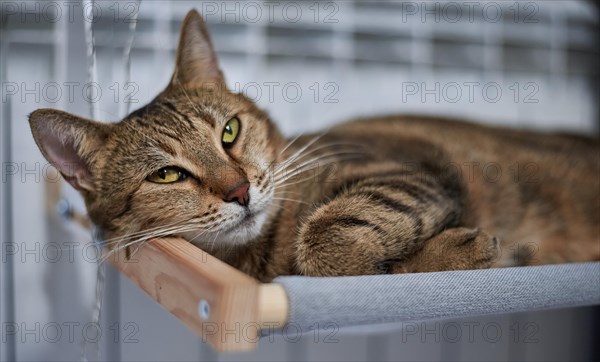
(332,245)
(473,248)
(453,249)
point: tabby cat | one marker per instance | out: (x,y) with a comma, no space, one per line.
(381,195)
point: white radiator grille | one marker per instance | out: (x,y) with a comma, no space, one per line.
(541,52)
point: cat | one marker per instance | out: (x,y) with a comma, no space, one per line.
(396,194)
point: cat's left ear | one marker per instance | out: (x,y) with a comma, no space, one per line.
(70,144)
(196,63)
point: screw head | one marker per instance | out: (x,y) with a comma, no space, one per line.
(204,309)
(64,208)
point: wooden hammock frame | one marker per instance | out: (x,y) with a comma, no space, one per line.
(225,307)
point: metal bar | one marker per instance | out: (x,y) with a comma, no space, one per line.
(7,277)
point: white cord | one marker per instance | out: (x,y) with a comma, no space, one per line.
(88,17)
(97,308)
(126,105)
(92,73)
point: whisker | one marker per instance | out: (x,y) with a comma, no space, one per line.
(212,244)
(293,200)
(302,152)
(290,143)
(282,184)
(116,240)
(315,163)
(139,232)
(112,251)
(195,236)
(200,234)
(160,233)
(303,148)
(302,156)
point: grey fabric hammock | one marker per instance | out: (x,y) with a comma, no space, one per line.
(363,300)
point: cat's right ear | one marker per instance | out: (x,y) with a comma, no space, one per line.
(69,143)
(196,63)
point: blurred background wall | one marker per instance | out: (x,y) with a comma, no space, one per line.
(310,64)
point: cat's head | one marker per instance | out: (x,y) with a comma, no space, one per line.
(198,158)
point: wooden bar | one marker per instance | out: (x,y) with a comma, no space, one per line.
(222,305)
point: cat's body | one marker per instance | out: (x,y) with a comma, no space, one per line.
(396,194)
(538,193)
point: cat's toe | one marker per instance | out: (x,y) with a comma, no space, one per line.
(473,248)
(482,249)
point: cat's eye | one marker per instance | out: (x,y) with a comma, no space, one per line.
(167,175)
(230,132)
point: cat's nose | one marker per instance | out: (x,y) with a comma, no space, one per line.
(239,193)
